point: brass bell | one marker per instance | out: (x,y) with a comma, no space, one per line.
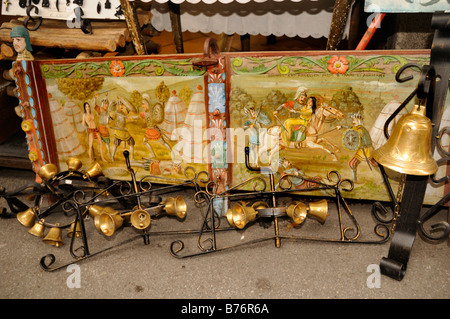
(47,171)
(175,206)
(108,223)
(297,211)
(319,210)
(240,215)
(54,236)
(140,219)
(26,217)
(38,229)
(94,171)
(74,164)
(74,231)
(408,149)
(260,205)
(95,210)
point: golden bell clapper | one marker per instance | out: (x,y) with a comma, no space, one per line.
(54,236)
(175,206)
(140,219)
(74,164)
(47,171)
(38,229)
(240,215)
(27,217)
(408,149)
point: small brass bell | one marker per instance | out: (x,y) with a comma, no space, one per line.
(319,210)
(74,231)
(74,164)
(408,149)
(94,171)
(107,223)
(297,211)
(47,171)
(38,229)
(26,217)
(175,206)
(240,215)
(95,210)
(140,219)
(260,205)
(54,236)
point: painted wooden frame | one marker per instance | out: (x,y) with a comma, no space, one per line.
(211,113)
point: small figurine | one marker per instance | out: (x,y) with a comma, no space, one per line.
(21,43)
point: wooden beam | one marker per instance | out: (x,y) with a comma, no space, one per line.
(338,21)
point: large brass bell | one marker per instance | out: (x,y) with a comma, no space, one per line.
(54,236)
(240,215)
(26,217)
(140,219)
(408,149)
(38,229)
(74,164)
(94,171)
(47,171)
(74,231)
(108,223)
(175,206)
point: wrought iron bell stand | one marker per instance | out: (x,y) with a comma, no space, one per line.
(273,212)
(433,86)
(73,192)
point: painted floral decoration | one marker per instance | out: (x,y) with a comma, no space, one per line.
(116,68)
(338,64)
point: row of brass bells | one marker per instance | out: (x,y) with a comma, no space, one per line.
(47,171)
(54,235)
(174,206)
(106,219)
(408,149)
(298,211)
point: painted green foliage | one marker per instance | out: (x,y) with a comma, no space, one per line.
(121,68)
(334,64)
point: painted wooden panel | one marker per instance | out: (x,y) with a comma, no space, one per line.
(174,117)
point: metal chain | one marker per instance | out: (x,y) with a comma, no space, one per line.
(398,200)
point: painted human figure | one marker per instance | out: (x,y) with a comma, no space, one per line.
(300,111)
(21,43)
(103,121)
(254,125)
(365,149)
(120,130)
(297,178)
(89,121)
(152,131)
